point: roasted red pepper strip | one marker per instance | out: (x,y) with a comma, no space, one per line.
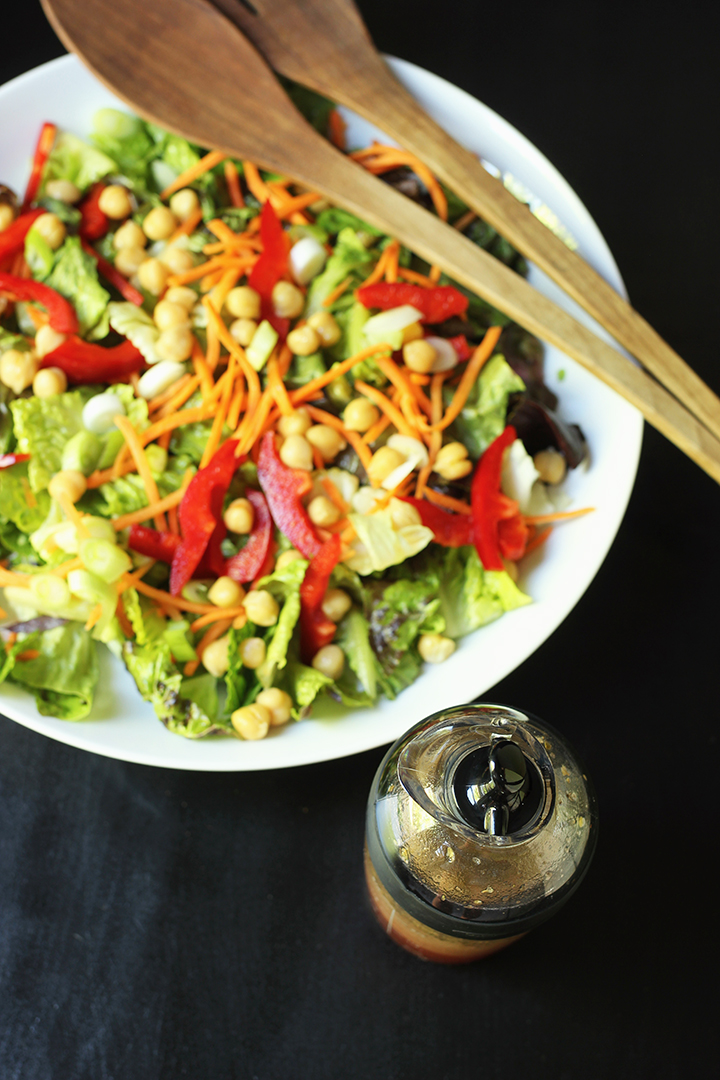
(153,543)
(114,277)
(12,239)
(513,536)
(316,630)
(436,304)
(271,266)
(42,153)
(93,223)
(461,347)
(247,564)
(199,513)
(84,362)
(6,460)
(61,313)
(283,488)
(489,506)
(450,530)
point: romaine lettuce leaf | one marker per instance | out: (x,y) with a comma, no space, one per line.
(470,596)
(43,426)
(64,676)
(75,277)
(72,159)
(353,637)
(349,257)
(18,504)
(482,418)
(284,585)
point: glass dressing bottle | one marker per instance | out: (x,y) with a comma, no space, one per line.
(480,825)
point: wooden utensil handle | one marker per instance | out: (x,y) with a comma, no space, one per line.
(346,183)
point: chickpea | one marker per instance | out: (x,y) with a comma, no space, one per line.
(182,295)
(63,190)
(153,275)
(252,652)
(413,332)
(67,484)
(336,604)
(216,656)
(239,516)
(434,648)
(326,327)
(160,223)
(383,462)
(303,341)
(261,607)
(175,344)
(51,228)
(49,381)
(287,300)
(115,202)
(47,339)
(551,465)
(225,592)
(296,424)
(296,453)
(178,260)
(129,235)
(278,702)
(452,461)
(129,260)
(327,440)
(288,557)
(323,512)
(330,661)
(243,331)
(252,721)
(360,414)
(243,302)
(419,355)
(18,369)
(403,514)
(7,216)
(167,315)
(184,203)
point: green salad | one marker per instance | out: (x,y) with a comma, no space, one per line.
(258,450)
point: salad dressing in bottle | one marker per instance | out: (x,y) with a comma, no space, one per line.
(480,825)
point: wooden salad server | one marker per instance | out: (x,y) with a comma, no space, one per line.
(325,45)
(183,65)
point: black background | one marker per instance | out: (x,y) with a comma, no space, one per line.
(160,924)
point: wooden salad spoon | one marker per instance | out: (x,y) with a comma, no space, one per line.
(183,65)
(325,45)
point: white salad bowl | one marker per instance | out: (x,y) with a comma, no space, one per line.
(124,726)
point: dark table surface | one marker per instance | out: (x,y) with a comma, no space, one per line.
(158,924)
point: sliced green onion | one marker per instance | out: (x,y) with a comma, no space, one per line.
(50,592)
(105,559)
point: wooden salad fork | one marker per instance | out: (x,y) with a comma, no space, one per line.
(183,65)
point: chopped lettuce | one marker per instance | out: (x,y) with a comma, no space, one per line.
(482,418)
(470,596)
(350,256)
(43,426)
(380,544)
(72,159)
(75,277)
(353,637)
(17,503)
(397,614)
(284,585)
(64,676)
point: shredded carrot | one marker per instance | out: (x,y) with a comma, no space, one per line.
(256,184)
(227,282)
(469,375)
(220,416)
(237,402)
(147,512)
(212,634)
(202,370)
(222,262)
(165,598)
(295,204)
(310,390)
(435,441)
(414,277)
(202,166)
(434,275)
(28,654)
(180,395)
(167,395)
(419,379)
(11,577)
(186,227)
(386,406)
(539,538)
(391,264)
(380,159)
(399,377)
(334,495)
(95,616)
(3,613)
(72,514)
(360,448)
(213,616)
(29,493)
(106,476)
(567,515)
(210,281)
(336,129)
(463,221)
(447,502)
(337,292)
(277,387)
(232,180)
(138,452)
(379,271)
(64,568)
(178,419)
